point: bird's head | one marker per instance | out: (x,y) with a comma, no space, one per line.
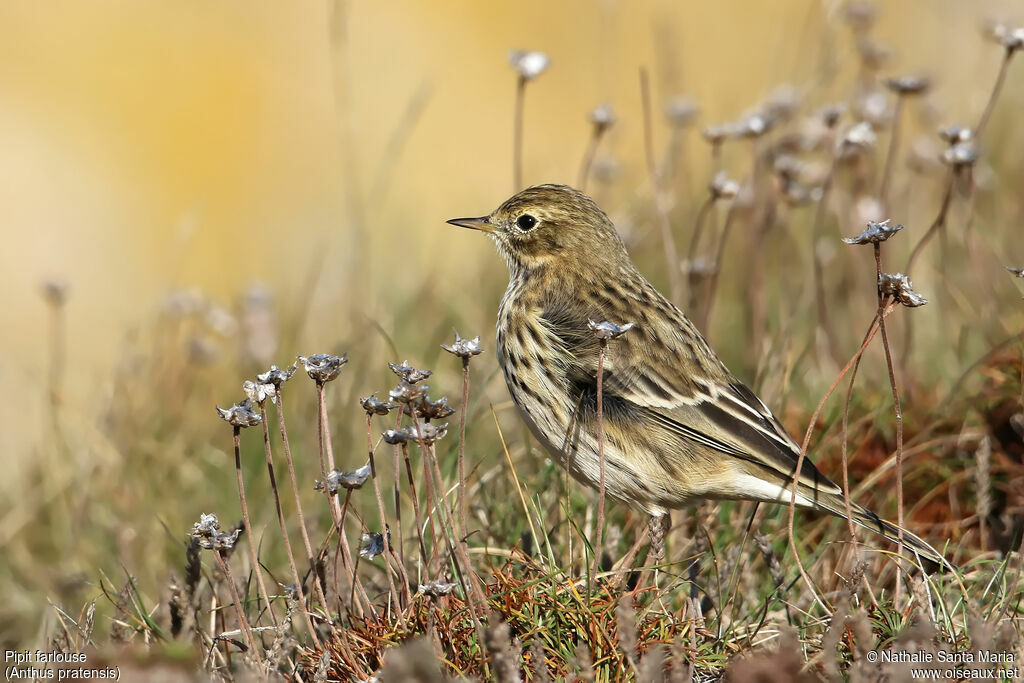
(549,225)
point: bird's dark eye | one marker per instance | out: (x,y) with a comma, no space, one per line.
(526,222)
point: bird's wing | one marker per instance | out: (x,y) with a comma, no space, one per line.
(667,371)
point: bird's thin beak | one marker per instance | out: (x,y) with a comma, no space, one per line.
(482,223)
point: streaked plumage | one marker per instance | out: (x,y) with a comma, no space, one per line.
(678,426)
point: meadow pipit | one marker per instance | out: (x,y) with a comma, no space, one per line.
(677,425)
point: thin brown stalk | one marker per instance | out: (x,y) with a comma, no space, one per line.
(899,422)
(704,316)
(253,557)
(517,136)
(243,623)
(996,89)
(284,529)
(397,464)
(660,201)
(821,300)
(424,557)
(937,224)
(384,524)
(890,156)
(600,457)
(463,500)
(872,329)
(311,559)
(698,229)
(589,154)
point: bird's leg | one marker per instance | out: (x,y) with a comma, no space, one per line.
(657,528)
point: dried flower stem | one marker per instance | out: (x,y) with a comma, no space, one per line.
(996,89)
(254,558)
(821,300)
(601,460)
(937,224)
(704,316)
(243,623)
(284,528)
(660,201)
(517,135)
(698,229)
(899,420)
(463,500)
(311,558)
(398,499)
(384,525)
(424,557)
(872,330)
(588,156)
(890,156)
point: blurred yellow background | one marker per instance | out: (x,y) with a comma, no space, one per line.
(153,145)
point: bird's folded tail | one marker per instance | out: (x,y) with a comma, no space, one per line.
(869,520)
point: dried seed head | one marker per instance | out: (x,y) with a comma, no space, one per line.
(755,125)
(209,536)
(606,331)
(276,375)
(372,544)
(427,433)
(723,188)
(899,287)
(830,114)
(337,480)
(406,393)
(323,367)
(240,415)
(1017,272)
(681,111)
(956,134)
(436,589)
(873,107)
(408,373)
(782,104)
(464,348)
(603,117)
(860,16)
(54,291)
(717,133)
(373,406)
(259,392)
(860,136)
(1010,38)
(430,410)
(528,64)
(960,155)
(798,194)
(876,232)
(907,85)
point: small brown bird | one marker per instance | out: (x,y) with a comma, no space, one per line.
(678,426)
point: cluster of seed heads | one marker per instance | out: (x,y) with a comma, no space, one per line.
(337,480)
(876,233)
(209,536)
(240,414)
(323,367)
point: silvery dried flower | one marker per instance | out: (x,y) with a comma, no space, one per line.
(1010,38)
(755,125)
(408,373)
(830,114)
(323,367)
(606,331)
(258,392)
(717,133)
(860,16)
(373,406)
(873,107)
(54,291)
(699,268)
(782,103)
(1018,272)
(240,414)
(528,64)
(436,589)
(955,134)
(464,348)
(337,480)
(276,375)
(372,544)
(427,433)
(406,393)
(960,155)
(430,410)
(899,287)
(876,232)
(681,111)
(207,532)
(907,85)
(723,188)
(603,117)
(861,136)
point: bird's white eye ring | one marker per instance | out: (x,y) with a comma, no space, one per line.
(526,222)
